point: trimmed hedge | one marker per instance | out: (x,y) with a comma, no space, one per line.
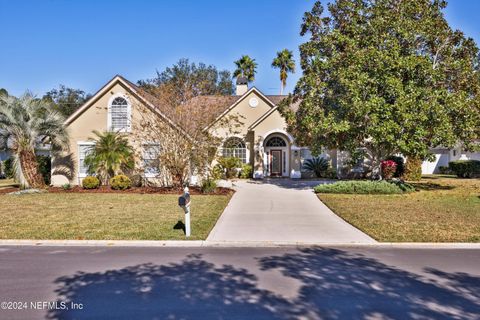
(90,183)
(465,168)
(365,187)
(120,182)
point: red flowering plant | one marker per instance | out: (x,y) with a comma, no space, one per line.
(388,169)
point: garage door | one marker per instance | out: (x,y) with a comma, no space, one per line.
(442,157)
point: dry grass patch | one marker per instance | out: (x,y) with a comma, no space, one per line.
(7,183)
(445,209)
(105,216)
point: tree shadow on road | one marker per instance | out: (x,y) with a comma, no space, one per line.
(343,285)
(191,289)
(335,284)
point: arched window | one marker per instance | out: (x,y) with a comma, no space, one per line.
(235,147)
(119,115)
(276,142)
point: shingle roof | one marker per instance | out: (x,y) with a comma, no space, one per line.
(214,105)
(276,99)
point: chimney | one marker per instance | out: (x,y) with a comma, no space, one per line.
(242,86)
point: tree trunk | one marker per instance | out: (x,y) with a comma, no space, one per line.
(29,165)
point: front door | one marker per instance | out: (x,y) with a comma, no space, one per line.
(276,162)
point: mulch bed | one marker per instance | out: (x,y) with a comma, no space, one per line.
(8,190)
(140,190)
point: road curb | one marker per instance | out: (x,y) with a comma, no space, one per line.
(237,244)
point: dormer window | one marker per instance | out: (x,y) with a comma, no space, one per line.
(119,115)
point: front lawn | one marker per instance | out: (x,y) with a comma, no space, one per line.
(445,209)
(105,216)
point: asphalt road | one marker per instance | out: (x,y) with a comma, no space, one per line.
(238,283)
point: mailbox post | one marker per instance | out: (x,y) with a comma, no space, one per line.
(184,203)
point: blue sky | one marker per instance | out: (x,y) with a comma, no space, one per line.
(83,44)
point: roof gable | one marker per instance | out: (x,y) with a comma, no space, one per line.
(143,96)
(271,101)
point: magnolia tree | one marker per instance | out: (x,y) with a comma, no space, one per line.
(385,76)
(185,146)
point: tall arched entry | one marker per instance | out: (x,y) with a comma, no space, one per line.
(277,155)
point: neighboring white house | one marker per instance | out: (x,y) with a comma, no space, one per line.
(444,156)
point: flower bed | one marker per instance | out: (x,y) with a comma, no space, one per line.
(140,190)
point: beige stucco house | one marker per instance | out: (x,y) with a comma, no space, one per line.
(116,106)
(261,140)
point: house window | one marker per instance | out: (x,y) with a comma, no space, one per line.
(236,148)
(276,142)
(83,150)
(119,115)
(151,163)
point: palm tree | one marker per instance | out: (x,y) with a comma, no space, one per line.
(25,122)
(284,61)
(246,68)
(111,154)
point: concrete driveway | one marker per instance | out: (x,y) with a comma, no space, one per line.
(282,210)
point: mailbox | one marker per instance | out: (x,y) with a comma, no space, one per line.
(184,203)
(184,200)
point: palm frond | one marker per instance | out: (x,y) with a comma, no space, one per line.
(317,165)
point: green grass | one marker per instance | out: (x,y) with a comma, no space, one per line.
(105,216)
(445,209)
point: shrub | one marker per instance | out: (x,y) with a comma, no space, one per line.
(400,170)
(208,185)
(388,169)
(66,186)
(90,183)
(230,166)
(330,173)
(8,168)
(317,165)
(405,187)
(137,180)
(120,182)
(365,187)
(465,168)
(217,172)
(45,167)
(444,170)
(246,171)
(413,169)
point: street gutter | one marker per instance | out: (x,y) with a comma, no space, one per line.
(237,244)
